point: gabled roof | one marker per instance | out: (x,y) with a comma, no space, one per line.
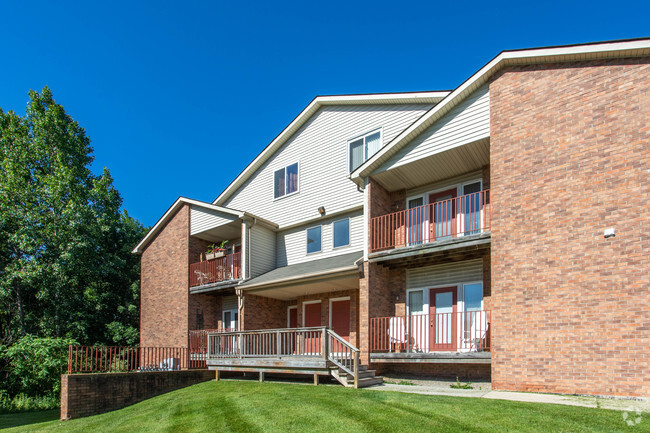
(432,97)
(565,53)
(177,205)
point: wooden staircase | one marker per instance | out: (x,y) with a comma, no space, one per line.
(366,377)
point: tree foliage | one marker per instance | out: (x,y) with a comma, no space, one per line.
(65,264)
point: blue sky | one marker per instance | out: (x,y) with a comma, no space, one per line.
(178,97)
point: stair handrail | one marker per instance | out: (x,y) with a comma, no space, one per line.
(355,352)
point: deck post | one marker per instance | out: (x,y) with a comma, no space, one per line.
(323,344)
(315,379)
(356,369)
(217,376)
(261,376)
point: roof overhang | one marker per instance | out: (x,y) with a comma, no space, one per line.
(183,201)
(365,99)
(568,53)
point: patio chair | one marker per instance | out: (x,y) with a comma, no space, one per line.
(396,332)
(475,339)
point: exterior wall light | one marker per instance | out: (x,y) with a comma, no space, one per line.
(609,233)
(321,210)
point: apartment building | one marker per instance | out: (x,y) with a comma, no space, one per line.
(498,230)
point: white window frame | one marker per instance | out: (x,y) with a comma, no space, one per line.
(334,236)
(307,240)
(232,313)
(365,153)
(319,301)
(285,181)
(289,308)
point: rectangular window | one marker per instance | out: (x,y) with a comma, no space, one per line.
(416,302)
(341,233)
(313,240)
(363,148)
(285,181)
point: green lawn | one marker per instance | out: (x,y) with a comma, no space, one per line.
(240,406)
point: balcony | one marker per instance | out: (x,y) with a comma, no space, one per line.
(217,270)
(449,219)
(456,336)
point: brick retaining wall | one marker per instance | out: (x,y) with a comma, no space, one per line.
(92,394)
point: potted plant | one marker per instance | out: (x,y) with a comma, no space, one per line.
(215,251)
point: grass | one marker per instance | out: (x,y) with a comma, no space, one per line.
(459,385)
(399,382)
(239,406)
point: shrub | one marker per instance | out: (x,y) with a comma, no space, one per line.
(35,365)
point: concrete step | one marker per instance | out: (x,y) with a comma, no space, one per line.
(370,381)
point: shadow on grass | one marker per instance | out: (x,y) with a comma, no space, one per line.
(17,419)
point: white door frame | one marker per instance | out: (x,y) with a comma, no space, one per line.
(320,301)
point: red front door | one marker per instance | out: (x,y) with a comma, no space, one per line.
(293,318)
(341,318)
(442,319)
(312,318)
(442,214)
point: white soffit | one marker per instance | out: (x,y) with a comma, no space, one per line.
(596,51)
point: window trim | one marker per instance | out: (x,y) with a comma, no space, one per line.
(366,157)
(284,168)
(334,247)
(307,239)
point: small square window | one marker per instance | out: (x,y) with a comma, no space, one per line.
(314,240)
(285,181)
(341,233)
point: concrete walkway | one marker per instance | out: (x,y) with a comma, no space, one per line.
(482,390)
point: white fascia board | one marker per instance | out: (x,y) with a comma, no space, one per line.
(307,112)
(526,56)
(184,200)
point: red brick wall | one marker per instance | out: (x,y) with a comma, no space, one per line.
(264,313)
(463,372)
(164,285)
(570,156)
(91,394)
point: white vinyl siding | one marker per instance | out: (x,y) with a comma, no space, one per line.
(262,250)
(448,273)
(321,148)
(229,303)
(468,122)
(202,219)
(291,243)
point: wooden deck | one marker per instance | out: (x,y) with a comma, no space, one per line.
(315,351)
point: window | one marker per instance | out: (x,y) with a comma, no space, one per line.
(416,302)
(473,297)
(341,233)
(313,240)
(363,148)
(285,181)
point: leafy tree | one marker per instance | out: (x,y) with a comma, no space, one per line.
(65,264)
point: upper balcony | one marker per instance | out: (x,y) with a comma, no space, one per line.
(444,219)
(219,269)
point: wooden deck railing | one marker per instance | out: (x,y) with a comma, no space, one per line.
(212,271)
(344,355)
(467,331)
(119,359)
(459,216)
(198,345)
(317,342)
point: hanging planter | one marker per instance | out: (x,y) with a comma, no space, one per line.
(216,251)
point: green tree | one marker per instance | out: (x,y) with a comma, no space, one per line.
(65,264)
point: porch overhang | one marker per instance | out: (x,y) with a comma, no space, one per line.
(316,276)
(411,255)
